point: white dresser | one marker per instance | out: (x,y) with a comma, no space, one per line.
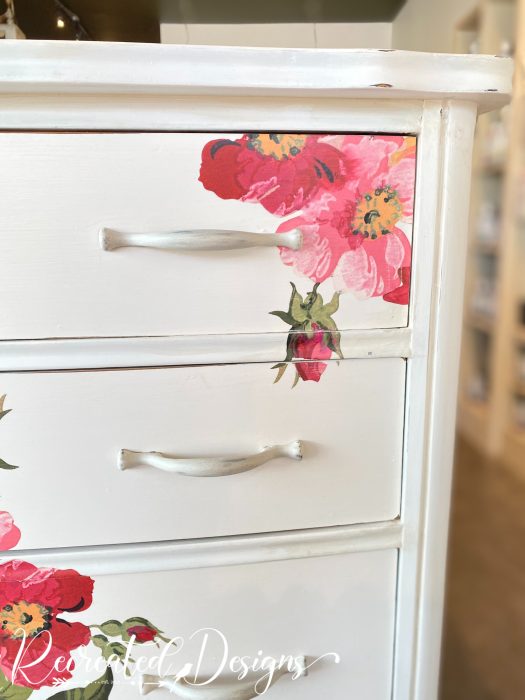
(244,264)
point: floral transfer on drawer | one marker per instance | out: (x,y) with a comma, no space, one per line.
(47,652)
(37,635)
(349,195)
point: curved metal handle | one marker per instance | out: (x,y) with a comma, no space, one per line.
(239,690)
(208,466)
(199,239)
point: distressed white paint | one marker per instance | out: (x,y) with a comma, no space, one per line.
(92,353)
(167,112)
(218,551)
(208,466)
(164,88)
(79,422)
(432,383)
(51,67)
(443,369)
(199,239)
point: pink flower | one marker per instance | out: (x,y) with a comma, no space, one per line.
(314,348)
(9,533)
(323,245)
(353,234)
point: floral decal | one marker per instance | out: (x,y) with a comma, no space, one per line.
(349,195)
(313,334)
(37,636)
(38,632)
(31,601)
(9,532)
(280,171)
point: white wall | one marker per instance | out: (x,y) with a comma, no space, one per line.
(422,25)
(428,25)
(376,35)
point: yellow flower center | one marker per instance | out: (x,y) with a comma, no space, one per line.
(407,150)
(23,619)
(278,146)
(377,213)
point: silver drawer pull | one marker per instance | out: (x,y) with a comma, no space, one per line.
(240,690)
(208,466)
(199,239)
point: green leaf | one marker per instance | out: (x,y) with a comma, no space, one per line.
(110,649)
(281,366)
(134,621)
(296,309)
(4,413)
(290,343)
(98,690)
(332,306)
(114,649)
(323,315)
(325,321)
(9,691)
(5,465)
(297,377)
(328,324)
(113,628)
(333,341)
(309,330)
(314,302)
(99,640)
(284,316)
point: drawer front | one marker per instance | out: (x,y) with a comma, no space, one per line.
(321,607)
(66,430)
(349,196)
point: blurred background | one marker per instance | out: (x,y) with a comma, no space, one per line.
(484,641)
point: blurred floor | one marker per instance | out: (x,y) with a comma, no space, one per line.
(484,635)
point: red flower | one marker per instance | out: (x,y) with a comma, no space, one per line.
(142,633)
(280,171)
(35,644)
(401,295)
(9,533)
(314,348)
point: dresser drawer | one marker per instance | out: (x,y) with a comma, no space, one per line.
(66,432)
(349,196)
(337,611)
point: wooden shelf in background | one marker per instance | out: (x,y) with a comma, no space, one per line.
(496,169)
(519,388)
(494,251)
(486,247)
(479,322)
(520,335)
(514,451)
(473,417)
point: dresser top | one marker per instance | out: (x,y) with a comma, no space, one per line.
(124,68)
